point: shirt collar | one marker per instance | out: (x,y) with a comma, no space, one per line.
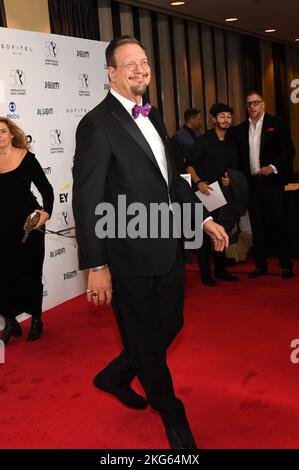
(260,121)
(127,104)
(191,132)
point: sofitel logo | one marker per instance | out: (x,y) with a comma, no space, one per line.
(51,53)
(70,275)
(84,85)
(15,48)
(56,141)
(78,112)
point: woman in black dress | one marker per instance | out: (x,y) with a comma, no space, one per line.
(21,288)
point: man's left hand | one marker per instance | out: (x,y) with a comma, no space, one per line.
(266,170)
(217,234)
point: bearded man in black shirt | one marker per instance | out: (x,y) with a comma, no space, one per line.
(209,160)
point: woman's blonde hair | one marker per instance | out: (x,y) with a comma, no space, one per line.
(19,137)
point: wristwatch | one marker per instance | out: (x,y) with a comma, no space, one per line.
(98,268)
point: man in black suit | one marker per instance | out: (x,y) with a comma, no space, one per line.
(122,149)
(184,139)
(266,152)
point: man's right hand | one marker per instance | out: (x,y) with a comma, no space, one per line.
(99,283)
(217,234)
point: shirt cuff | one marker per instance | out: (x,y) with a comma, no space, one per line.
(206,219)
(274,169)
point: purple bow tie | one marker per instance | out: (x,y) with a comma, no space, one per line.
(144,110)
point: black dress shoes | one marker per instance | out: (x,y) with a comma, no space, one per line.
(124,393)
(12,328)
(258,272)
(207,280)
(180,437)
(287,273)
(226,276)
(36,329)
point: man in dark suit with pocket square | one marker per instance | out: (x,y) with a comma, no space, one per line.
(266,151)
(122,149)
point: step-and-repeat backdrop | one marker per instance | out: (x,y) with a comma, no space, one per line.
(47,83)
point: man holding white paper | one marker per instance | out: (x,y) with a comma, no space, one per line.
(208,163)
(213,198)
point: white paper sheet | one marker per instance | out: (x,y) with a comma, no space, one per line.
(214,200)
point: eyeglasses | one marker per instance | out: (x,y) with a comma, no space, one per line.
(131,66)
(253,104)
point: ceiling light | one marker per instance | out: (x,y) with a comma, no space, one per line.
(231,19)
(297,39)
(271,30)
(177,4)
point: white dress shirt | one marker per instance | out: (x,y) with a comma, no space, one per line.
(255,146)
(149,131)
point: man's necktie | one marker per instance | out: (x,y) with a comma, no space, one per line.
(144,110)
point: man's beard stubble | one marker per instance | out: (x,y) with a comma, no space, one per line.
(139,91)
(223,126)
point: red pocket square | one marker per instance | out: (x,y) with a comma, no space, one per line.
(270,129)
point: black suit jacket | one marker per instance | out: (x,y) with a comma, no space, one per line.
(276,148)
(113,158)
(182,142)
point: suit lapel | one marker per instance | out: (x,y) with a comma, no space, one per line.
(121,115)
(153,118)
(263,134)
(131,127)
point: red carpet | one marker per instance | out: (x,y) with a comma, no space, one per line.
(231,366)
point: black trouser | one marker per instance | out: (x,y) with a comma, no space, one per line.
(203,257)
(149,313)
(22,286)
(267,208)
